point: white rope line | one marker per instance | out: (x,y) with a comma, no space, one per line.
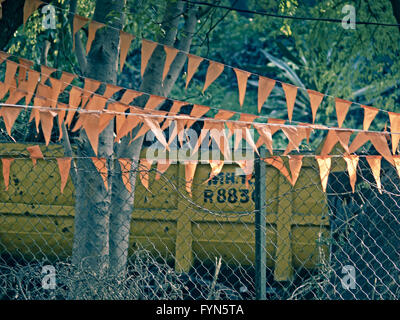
(188,117)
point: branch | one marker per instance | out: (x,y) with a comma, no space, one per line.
(79,49)
(396,10)
(184,45)
(68,152)
(172,14)
(152,79)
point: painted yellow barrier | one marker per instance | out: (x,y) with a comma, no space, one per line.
(36,220)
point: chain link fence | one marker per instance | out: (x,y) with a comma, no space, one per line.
(333,245)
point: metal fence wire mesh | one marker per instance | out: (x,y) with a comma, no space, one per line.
(333,245)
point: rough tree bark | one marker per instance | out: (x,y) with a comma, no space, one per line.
(122,201)
(92,209)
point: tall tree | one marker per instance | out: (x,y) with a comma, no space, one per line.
(103,216)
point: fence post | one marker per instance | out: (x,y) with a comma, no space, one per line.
(260,225)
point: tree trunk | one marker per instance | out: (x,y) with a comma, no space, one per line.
(122,201)
(92,209)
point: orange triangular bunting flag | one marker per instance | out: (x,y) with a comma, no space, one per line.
(46,119)
(213,72)
(369,115)
(265,136)
(6,171)
(190,170)
(216,167)
(64,166)
(277,162)
(290,94)
(248,167)
(361,139)
(91,126)
(344,138)
(35,113)
(66,79)
(9,78)
(129,96)
(224,115)
(176,107)
(147,50)
(394,129)
(352,162)
(197,112)
(295,163)
(379,141)
(89,88)
(170,56)
(75,97)
(125,44)
(46,73)
(93,27)
(10,115)
(144,168)
(79,23)
(396,161)
(315,101)
(276,128)
(153,102)
(24,66)
(33,79)
(35,153)
(30,7)
(55,91)
(308,130)
(218,134)
(330,141)
(155,128)
(110,90)
(127,126)
(324,163)
(95,103)
(126,165)
(193,65)
(101,166)
(375,164)
(104,121)
(242,77)
(61,116)
(120,118)
(295,136)
(162,167)
(342,106)
(265,86)
(143,129)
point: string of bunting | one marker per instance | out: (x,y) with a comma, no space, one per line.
(94,108)
(295,163)
(94,117)
(91,86)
